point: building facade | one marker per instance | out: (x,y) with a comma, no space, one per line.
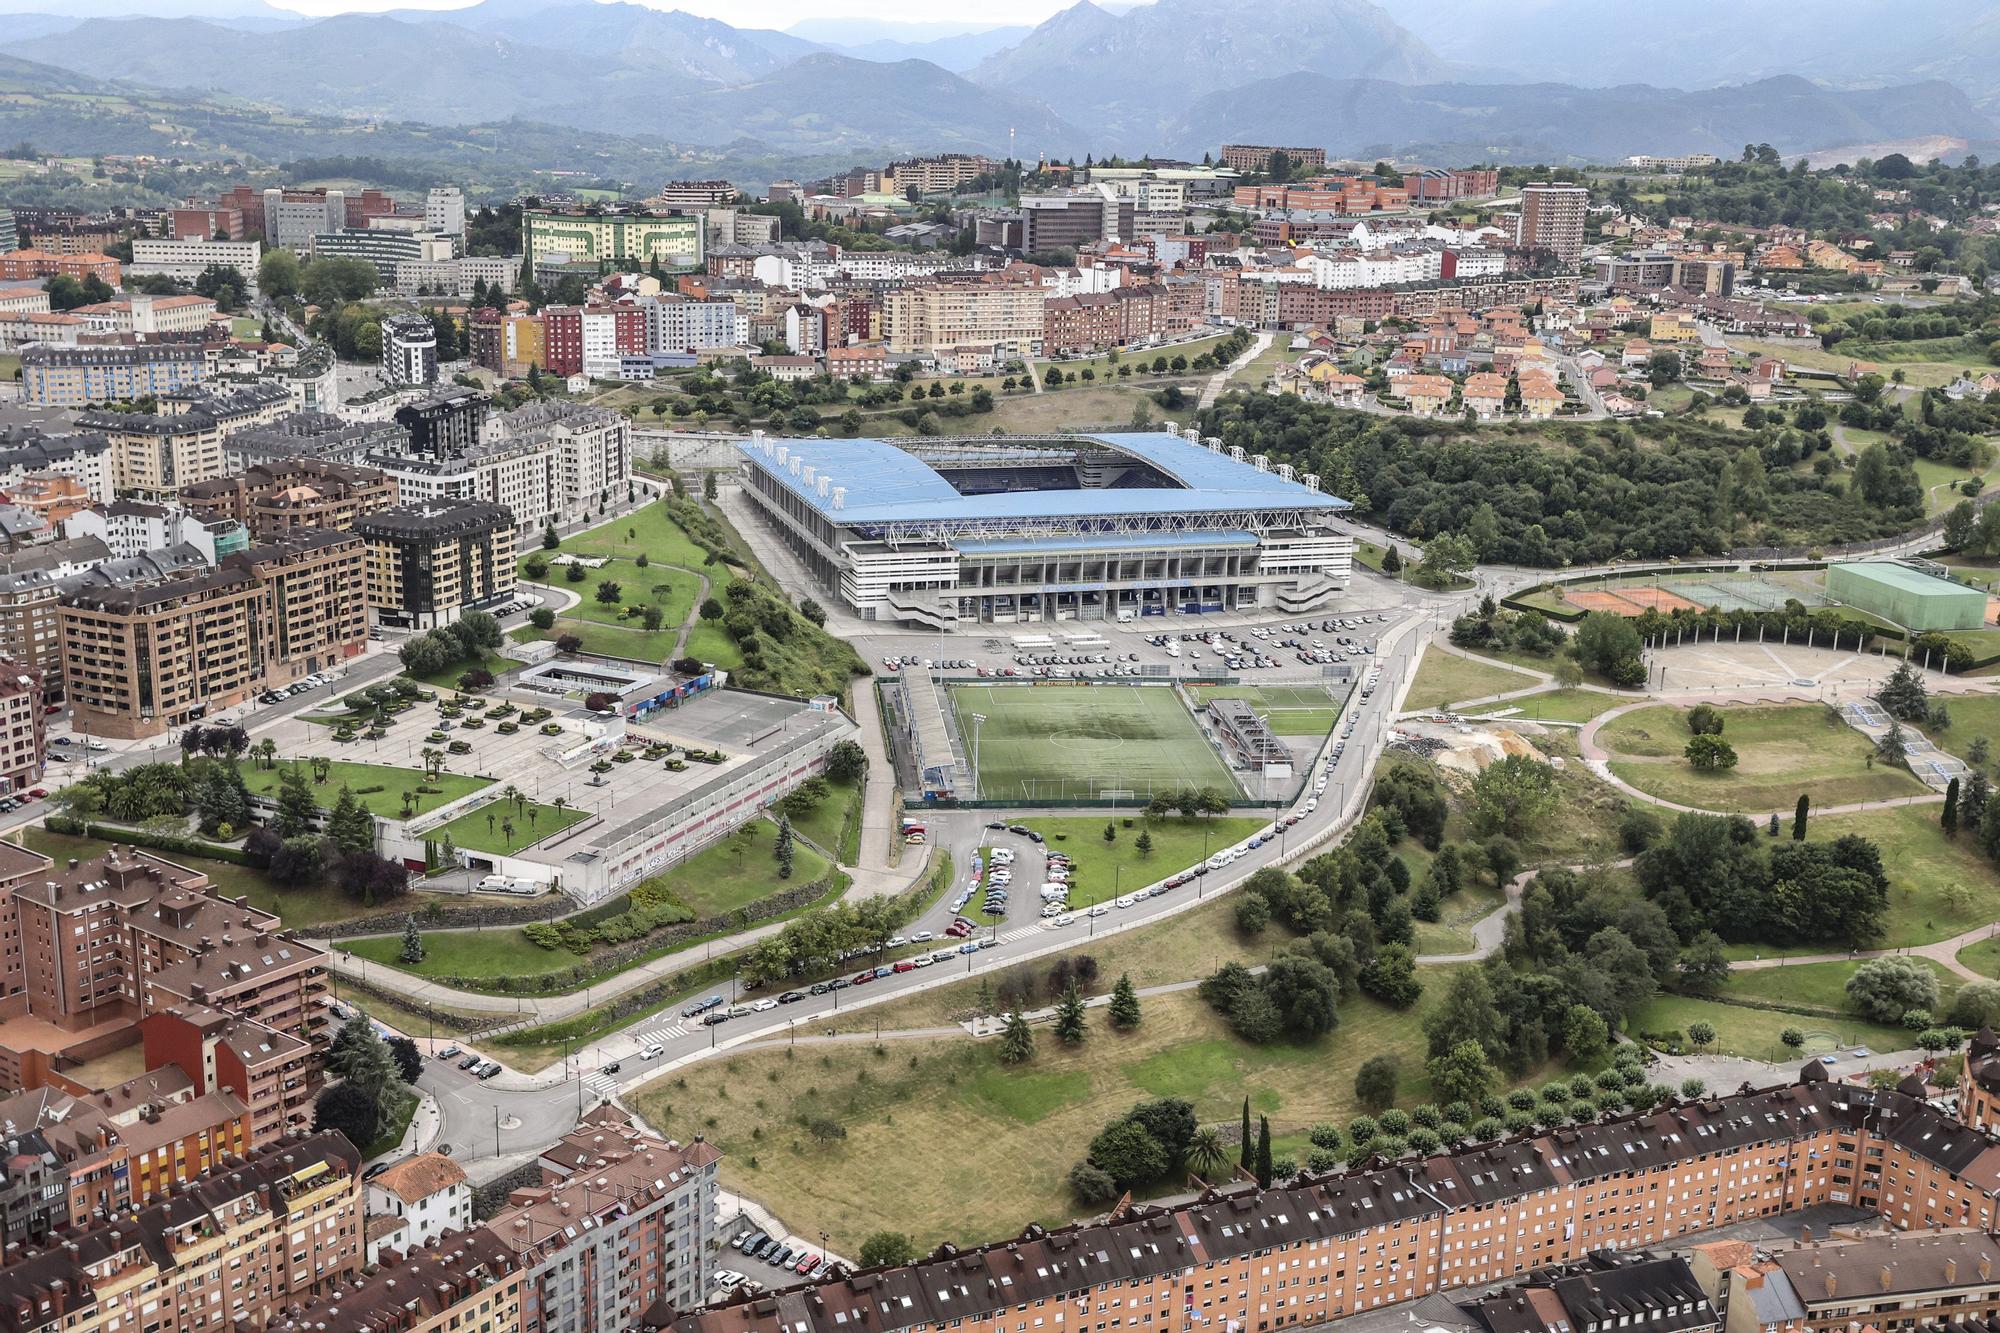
(85,375)
(409,350)
(430,562)
(1552,219)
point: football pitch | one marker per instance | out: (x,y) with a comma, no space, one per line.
(1288,710)
(1085,742)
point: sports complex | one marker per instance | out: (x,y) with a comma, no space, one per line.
(1909,594)
(1104,743)
(932,532)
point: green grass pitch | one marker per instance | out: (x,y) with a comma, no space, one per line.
(1085,742)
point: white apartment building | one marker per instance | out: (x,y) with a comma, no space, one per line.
(148,314)
(132,527)
(806,268)
(183,261)
(1378,268)
(678,325)
(592,448)
(86,457)
(519,474)
(455,277)
(444,211)
(27,297)
(429,1194)
(1088,281)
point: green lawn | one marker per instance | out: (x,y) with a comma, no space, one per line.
(1983,956)
(1814,985)
(650,531)
(1082,741)
(1105,869)
(712,644)
(484,829)
(1753,1033)
(605,640)
(1925,871)
(738,870)
(1452,932)
(1556,705)
(1782,751)
(671,590)
(501,952)
(825,821)
(1446,678)
(448,677)
(393,781)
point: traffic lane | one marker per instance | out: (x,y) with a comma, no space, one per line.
(1020,938)
(481,1120)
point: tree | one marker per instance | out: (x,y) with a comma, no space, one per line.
(413,943)
(1375,1082)
(1205,1152)
(1584,1034)
(1127,1152)
(1445,558)
(1884,989)
(1461,1073)
(1143,844)
(711,609)
(1705,720)
(347,1109)
(1892,749)
(846,762)
(1246,1153)
(1948,816)
(1604,641)
(1262,1167)
(298,810)
(1017,1040)
(1701,1034)
(298,862)
(1391,976)
(1799,816)
(1703,965)
(1071,1022)
(351,828)
(1792,1037)
(1124,1004)
(1392,560)
(608,592)
(887,1249)
(1092,1185)
(1903,695)
(1710,754)
(1513,796)
(784,851)
(409,1060)
(278,274)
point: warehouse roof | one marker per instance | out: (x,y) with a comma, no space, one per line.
(1908,580)
(879,482)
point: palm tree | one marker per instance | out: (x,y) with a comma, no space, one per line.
(321,767)
(489,821)
(507,831)
(532,812)
(267,750)
(1205,1152)
(512,795)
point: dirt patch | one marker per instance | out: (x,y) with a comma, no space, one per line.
(1468,747)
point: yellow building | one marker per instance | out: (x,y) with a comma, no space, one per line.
(928,318)
(1673,326)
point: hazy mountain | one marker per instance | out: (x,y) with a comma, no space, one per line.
(665,41)
(25,76)
(828,102)
(1561,122)
(957,53)
(1132,74)
(352,65)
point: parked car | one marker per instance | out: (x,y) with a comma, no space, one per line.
(450,1053)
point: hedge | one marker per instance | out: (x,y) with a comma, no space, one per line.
(159,842)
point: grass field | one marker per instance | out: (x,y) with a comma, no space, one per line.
(447,677)
(1446,678)
(393,781)
(738,870)
(1288,710)
(1452,931)
(1753,1033)
(825,821)
(1004,1138)
(484,829)
(671,590)
(298,907)
(1926,872)
(1085,741)
(1781,752)
(1105,869)
(1983,956)
(1556,705)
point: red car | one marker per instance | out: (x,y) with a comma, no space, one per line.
(863,978)
(906,966)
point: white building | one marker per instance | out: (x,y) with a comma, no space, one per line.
(183,261)
(429,1194)
(675,324)
(409,350)
(1377,268)
(86,457)
(592,449)
(1091,280)
(148,314)
(520,474)
(132,528)
(444,211)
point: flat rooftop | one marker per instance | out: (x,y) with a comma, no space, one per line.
(882,482)
(1903,577)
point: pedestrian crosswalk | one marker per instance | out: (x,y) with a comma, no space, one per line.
(601,1084)
(661,1036)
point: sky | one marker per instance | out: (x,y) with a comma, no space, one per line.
(744,13)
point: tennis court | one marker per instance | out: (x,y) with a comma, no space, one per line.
(1084,742)
(1742,594)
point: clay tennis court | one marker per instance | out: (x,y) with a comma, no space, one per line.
(1629,601)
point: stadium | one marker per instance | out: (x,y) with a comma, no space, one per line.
(936,531)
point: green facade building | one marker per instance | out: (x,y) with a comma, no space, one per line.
(1905,596)
(606,242)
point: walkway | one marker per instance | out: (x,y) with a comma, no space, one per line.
(1942,952)
(1220,379)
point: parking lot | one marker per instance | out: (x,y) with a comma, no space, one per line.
(753,1258)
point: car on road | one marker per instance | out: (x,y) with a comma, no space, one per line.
(488,1070)
(904,966)
(764,1004)
(611,1068)
(653,1052)
(790,997)
(471,1062)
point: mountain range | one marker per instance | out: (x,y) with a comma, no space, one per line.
(1507,80)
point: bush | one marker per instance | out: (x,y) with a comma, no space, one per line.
(1091,1185)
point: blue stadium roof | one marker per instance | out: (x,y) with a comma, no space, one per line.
(886,484)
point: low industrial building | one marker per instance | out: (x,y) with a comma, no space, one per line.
(1906,596)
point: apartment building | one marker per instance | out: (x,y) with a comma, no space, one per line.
(281,1226)
(621,1221)
(932,318)
(518,475)
(1339,195)
(1552,219)
(84,375)
(184,260)
(126,1146)
(694,194)
(388,251)
(156,453)
(1119,317)
(601,241)
(409,350)
(23,736)
(33,264)
(149,315)
(591,340)
(1442,185)
(1329,1246)
(317,622)
(677,324)
(428,1196)
(466,1282)
(431,561)
(132,528)
(940,174)
(301,435)
(458,275)
(30,586)
(50,496)
(276,1071)
(27,451)
(444,210)
(199,224)
(275,499)
(1605,1290)
(592,446)
(445,422)
(1075,219)
(1257,157)
(141,659)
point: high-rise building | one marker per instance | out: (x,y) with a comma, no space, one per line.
(694,194)
(446,422)
(429,563)
(592,339)
(1552,219)
(10,233)
(1067,221)
(409,350)
(444,212)
(389,251)
(317,623)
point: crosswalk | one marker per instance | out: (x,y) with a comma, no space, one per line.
(601,1084)
(661,1036)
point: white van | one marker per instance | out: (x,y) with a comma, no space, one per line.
(508,884)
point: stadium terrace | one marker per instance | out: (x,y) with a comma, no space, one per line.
(1024,529)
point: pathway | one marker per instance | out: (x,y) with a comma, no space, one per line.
(1942,952)
(1220,379)
(694,612)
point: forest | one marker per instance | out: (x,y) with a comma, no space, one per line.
(1583,494)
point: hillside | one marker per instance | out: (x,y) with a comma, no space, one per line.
(1559,122)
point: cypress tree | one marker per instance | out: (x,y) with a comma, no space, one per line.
(1243,1158)
(1263,1152)
(1948,817)
(1799,818)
